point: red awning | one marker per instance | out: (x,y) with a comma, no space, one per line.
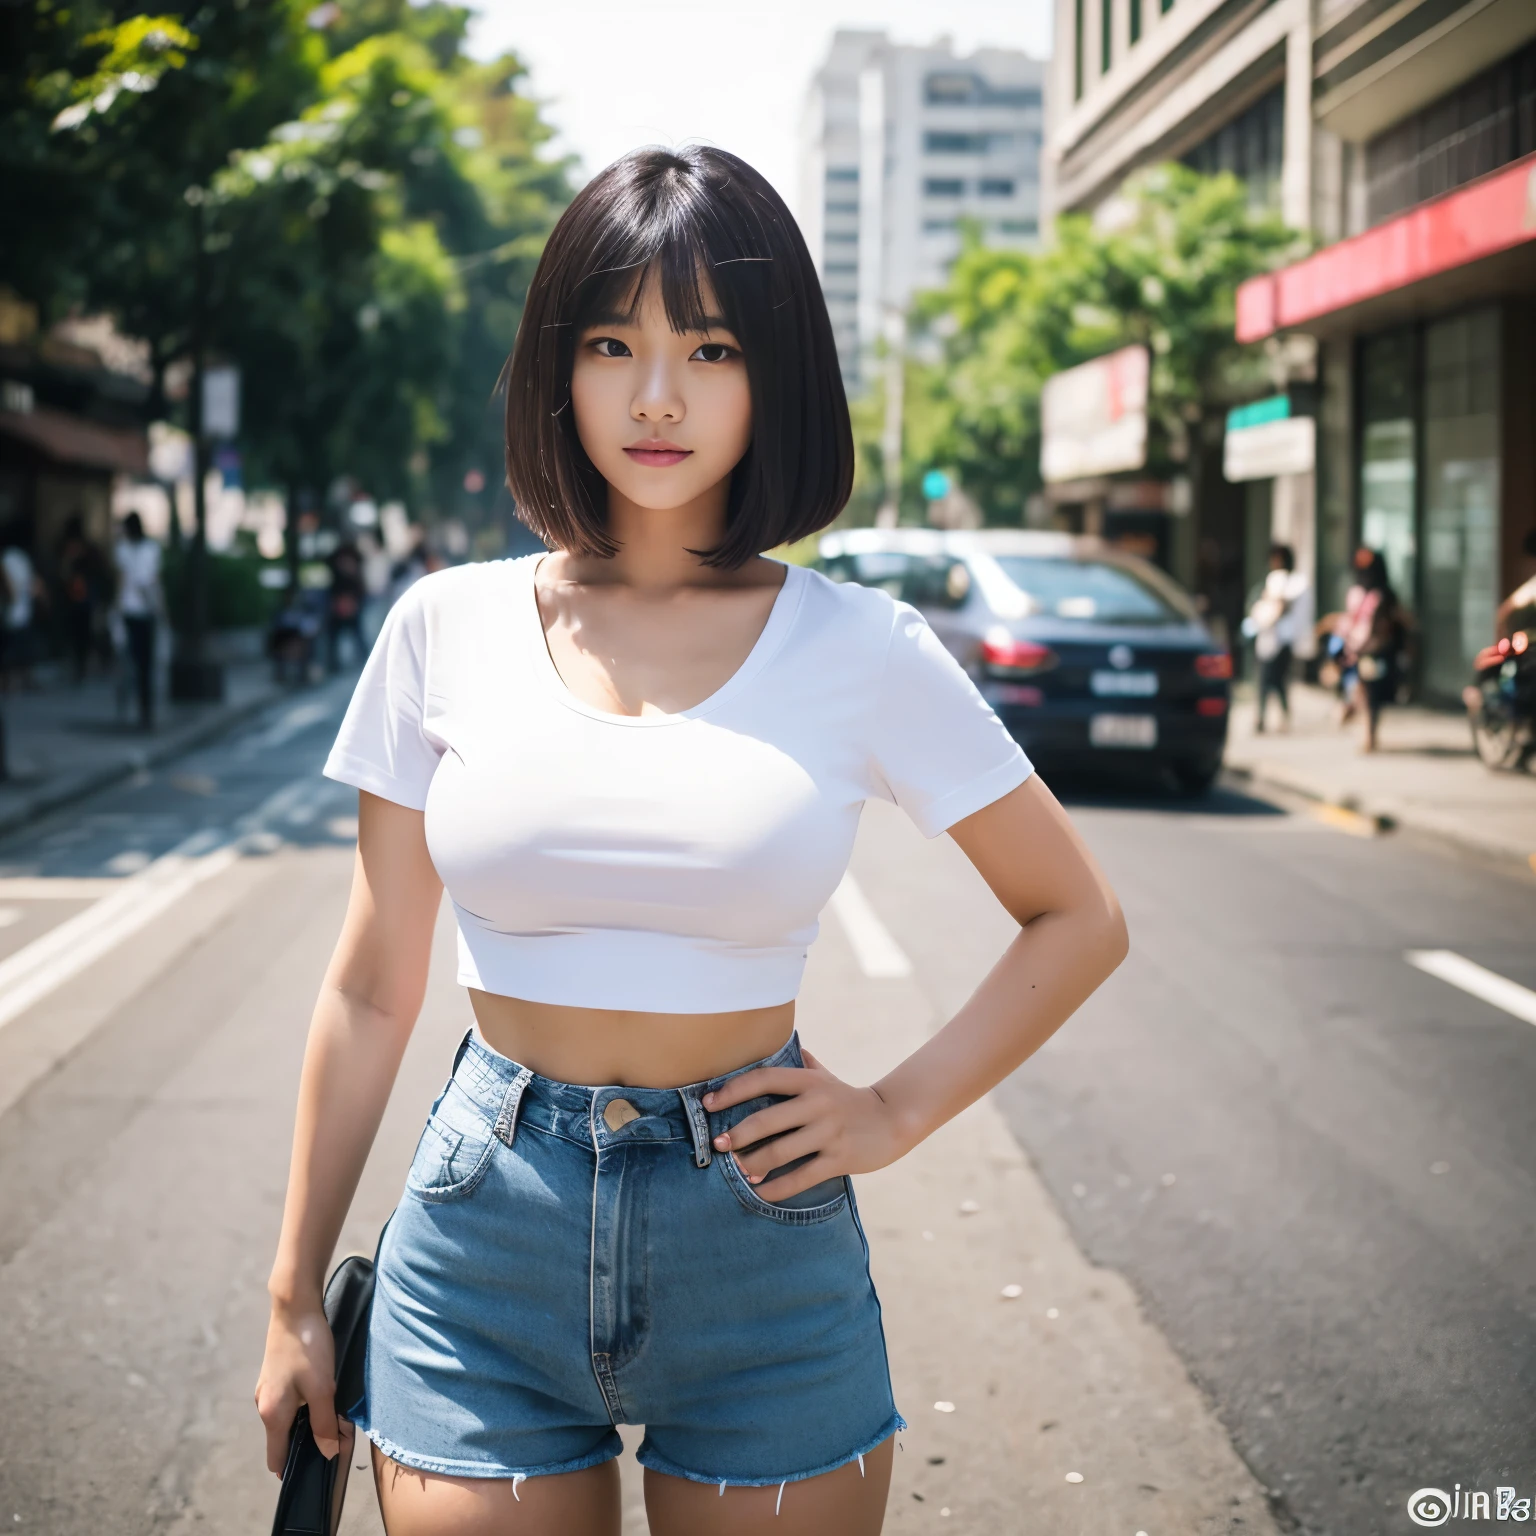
(1491,215)
(73,440)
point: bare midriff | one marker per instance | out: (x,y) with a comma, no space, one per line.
(610,1047)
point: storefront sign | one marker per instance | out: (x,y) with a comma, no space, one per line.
(1491,215)
(1284,446)
(1094,417)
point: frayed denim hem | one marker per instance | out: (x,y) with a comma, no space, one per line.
(655,1463)
(486,1469)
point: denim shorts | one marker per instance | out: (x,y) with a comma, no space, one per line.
(567,1259)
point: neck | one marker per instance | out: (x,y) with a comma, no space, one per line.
(654,543)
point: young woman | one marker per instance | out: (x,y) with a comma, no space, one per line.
(637,764)
(1368,636)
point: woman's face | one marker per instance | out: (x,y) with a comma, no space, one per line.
(665,417)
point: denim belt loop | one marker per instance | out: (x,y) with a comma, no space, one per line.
(506,1121)
(698,1124)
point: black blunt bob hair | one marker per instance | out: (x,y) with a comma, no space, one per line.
(693,219)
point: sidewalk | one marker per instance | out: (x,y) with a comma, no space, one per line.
(1425,776)
(65,741)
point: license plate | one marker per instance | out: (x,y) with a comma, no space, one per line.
(1122,731)
(1123,685)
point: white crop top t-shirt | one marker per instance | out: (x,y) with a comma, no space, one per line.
(665,863)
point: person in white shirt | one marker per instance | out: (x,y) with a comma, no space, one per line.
(1274,623)
(139,603)
(637,763)
(19,594)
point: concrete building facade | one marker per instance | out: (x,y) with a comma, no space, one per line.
(900,146)
(1360,121)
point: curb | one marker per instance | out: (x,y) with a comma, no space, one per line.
(1349,817)
(195,735)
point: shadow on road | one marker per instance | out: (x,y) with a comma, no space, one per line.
(1106,789)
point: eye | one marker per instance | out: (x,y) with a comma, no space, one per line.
(713,352)
(609,346)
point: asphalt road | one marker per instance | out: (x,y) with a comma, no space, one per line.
(1311,1160)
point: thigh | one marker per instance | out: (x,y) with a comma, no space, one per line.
(847,1502)
(417,1503)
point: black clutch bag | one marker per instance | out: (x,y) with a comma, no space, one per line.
(314,1485)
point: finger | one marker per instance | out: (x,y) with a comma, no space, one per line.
(277,1417)
(322,1417)
(774,1121)
(759,1164)
(817,1171)
(759,1083)
(811,1061)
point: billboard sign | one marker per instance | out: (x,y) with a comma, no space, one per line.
(1094,417)
(1264,440)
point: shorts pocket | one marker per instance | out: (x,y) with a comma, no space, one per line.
(806,1209)
(455,1149)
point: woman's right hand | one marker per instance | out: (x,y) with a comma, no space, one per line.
(298,1367)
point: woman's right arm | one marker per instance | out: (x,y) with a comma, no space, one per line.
(364,1016)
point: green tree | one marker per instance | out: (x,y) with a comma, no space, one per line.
(333,196)
(1162,272)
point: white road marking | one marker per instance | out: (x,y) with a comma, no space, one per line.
(55,957)
(1482,983)
(878,954)
(290,724)
(57,888)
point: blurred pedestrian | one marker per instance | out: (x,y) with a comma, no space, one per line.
(344,606)
(1518,610)
(1275,622)
(1367,641)
(85,584)
(139,604)
(22,593)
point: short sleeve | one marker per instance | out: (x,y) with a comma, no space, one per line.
(383,745)
(938,749)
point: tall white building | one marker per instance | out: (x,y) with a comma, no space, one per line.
(899,145)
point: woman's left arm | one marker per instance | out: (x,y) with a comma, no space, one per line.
(1071,936)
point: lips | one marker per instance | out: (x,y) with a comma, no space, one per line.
(658,455)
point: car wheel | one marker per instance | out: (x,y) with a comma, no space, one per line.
(1196,779)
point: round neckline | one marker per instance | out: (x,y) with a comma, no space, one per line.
(781,616)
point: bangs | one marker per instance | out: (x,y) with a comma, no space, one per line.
(725,251)
(678,239)
(688,297)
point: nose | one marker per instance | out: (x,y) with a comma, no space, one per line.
(657,398)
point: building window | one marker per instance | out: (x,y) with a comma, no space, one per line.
(1077,50)
(1251,146)
(1135,22)
(842,269)
(948,89)
(1018,227)
(842,173)
(941,143)
(841,207)
(1468,132)
(842,237)
(1106,35)
(940,226)
(955,89)
(943,186)
(995,186)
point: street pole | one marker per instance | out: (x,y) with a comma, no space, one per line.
(890,437)
(195,677)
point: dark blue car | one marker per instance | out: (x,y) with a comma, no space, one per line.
(1090,656)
